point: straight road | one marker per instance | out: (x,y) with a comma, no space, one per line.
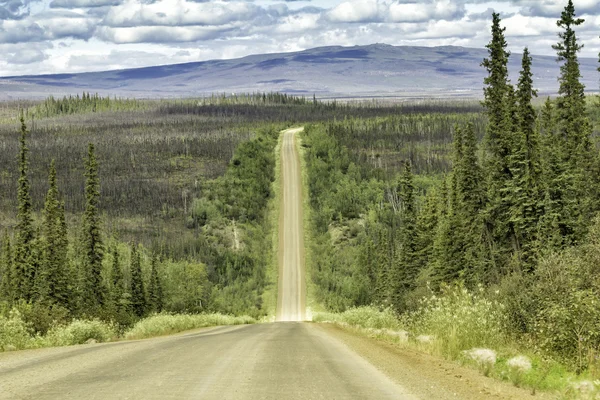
(291,304)
(281,360)
(290,360)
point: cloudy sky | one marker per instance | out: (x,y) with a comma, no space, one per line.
(52,36)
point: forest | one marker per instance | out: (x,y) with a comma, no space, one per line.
(479,229)
(118,209)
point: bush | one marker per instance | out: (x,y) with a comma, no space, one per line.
(364,317)
(79,332)
(40,317)
(14,332)
(460,320)
(164,324)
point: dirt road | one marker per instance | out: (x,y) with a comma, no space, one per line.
(267,361)
(291,305)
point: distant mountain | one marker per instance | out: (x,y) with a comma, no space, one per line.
(374,70)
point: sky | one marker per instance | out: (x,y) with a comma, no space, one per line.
(64,36)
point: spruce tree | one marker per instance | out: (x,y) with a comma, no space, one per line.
(529,206)
(117,280)
(574,132)
(467,212)
(155,290)
(23,273)
(406,268)
(94,291)
(54,274)
(138,294)
(5,269)
(427,221)
(499,103)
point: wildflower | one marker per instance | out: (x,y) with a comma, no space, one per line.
(482,356)
(519,363)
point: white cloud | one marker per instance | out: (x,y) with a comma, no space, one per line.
(130,33)
(133,13)
(358,11)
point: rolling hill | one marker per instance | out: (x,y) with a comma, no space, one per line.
(359,71)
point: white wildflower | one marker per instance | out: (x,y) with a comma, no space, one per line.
(519,363)
(482,356)
(425,338)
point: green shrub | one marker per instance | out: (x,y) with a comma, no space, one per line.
(79,332)
(14,332)
(164,324)
(40,317)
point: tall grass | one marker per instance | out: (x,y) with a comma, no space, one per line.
(165,324)
(362,317)
(459,320)
(17,334)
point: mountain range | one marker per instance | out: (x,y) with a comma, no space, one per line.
(377,70)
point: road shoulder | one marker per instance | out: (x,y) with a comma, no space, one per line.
(425,375)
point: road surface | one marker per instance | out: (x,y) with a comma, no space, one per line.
(289,360)
(291,305)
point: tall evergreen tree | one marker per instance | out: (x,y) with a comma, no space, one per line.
(529,202)
(54,274)
(527,115)
(138,293)
(116,277)
(574,130)
(94,291)
(5,269)
(155,289)
(23,272)
(406,268)
(499,103)
(467,213)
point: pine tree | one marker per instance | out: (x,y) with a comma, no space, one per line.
(5,269)
(54,274)
(406,268)
(505,157)
(155,290)
(427,221)
(23,273)
(467,213)
(138,294)
(527,115)
(529,206)
(94,292)
(574,132)
(117,280)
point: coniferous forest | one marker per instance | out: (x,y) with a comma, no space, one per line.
(474,224)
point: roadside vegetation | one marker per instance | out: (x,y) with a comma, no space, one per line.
(472,236)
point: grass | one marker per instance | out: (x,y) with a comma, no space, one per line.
(15,333)
(167,324)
